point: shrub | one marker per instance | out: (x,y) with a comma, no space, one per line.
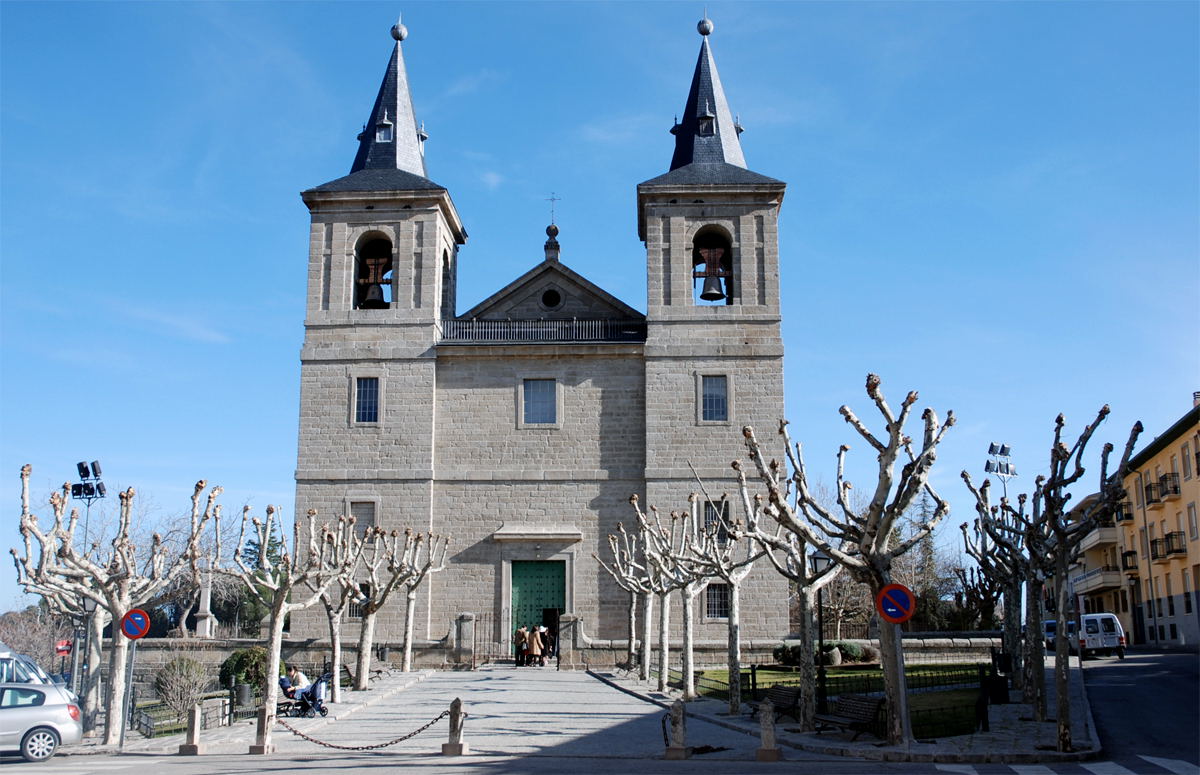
(851,652)
(780,654)
(245,666)
(180,684)
(870,653)
(796,656)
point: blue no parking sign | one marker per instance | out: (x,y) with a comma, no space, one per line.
(135,624)
(896,603)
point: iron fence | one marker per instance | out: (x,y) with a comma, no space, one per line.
(501,331)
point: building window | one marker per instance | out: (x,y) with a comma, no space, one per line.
(1187,591)
(1191,508)
(714,398)
(1187,461)
(364,516)
(716,601)
(716,520)
(1170,598)
(355,609)
(373,275)
(383,133)
(539,402)
(1145,542)
(366,400)
(1124,602)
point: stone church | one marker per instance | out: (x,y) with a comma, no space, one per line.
(521,426)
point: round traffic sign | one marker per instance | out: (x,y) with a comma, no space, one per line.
(896,603)
(135,624)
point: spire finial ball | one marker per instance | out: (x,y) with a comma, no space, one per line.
(399,31)
(705,27)
(552,231)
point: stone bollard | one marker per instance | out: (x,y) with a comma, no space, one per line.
(193,747)
(456,746)
(677,749)
(767,751)
(262,735)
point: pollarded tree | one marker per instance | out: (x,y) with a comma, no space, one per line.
(54,566)
(316,563)
(792,557)
(427,555)
(628,570)
(861,541)
(346,556)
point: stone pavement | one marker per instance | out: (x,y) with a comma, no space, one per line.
(540,712)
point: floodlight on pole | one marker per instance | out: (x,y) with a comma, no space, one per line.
(89,489)
(1000,465)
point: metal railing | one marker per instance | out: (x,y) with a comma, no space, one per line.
(540,331)
(1168,485)
(1153,497)
(1129,560)
(1176,543)
(1123,512)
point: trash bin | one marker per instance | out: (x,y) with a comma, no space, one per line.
(245,694)
(997,689)
(1004,662)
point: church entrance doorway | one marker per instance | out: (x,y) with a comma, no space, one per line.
(539,592)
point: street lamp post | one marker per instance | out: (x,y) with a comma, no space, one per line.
(820,561)
(89,611)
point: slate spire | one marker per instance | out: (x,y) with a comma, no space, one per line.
(391,139)
(707,133)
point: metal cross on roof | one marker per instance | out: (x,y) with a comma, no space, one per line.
(552,199)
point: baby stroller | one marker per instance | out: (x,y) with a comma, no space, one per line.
(305,703)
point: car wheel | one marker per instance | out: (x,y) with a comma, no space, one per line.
(39,744)
(1120,653)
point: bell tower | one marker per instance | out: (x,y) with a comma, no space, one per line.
(714,354)
(382,265)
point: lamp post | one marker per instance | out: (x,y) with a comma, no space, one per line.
(820,562)
(88,489)
(1000,465)
(89,611)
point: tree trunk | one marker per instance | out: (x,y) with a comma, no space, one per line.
(894,686)
(808,666)
(664,646)
(114,705)
(335,643)
(91,688)
(366,642)
(1035,647)
(735,648)
(647,640)
(688,596)
(270,689)
(1012,627)
(1062,656)
(630,660)
(409,610)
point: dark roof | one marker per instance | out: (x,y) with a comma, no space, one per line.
(392,106)
(380,180)
(709,174)
(1170,435)
(706,100)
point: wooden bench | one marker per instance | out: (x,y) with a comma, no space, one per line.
(851,712)
(785,700)
(348,677)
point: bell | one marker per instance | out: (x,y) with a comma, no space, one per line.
(373,298)
(712,289)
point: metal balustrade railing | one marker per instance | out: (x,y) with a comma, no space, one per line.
(540,331)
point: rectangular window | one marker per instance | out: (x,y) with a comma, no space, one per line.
(714,392)
(1192,529)
(716,601)
(540,402)
(1187,591)
(1187,462)
(366,400)
(364,516)
(716,520)
(1170,598)
(1145,542)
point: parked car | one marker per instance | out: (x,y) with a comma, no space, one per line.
(1050,626)
(36,719)
(1102,634)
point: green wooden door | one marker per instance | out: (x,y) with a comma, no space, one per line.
(537,586)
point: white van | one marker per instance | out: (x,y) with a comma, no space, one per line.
(1101,634)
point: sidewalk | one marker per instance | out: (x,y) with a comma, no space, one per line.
(1015,738)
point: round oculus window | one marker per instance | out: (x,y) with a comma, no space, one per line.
(551,299)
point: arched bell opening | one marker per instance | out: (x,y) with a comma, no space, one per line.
(712,268)
(373,275)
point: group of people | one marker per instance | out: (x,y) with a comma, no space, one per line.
(533,644)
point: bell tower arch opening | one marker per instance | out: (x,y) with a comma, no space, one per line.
(373,273)
(712,267)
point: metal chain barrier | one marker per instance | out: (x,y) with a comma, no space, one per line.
(374,747)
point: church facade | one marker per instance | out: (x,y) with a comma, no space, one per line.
(521,427)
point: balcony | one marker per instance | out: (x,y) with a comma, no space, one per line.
(1097,579)
(1123,512)
(1158,550)
(1099,536)
(1153,498)
(486,332)
(1168,487)
(1175,543)
(1129,561)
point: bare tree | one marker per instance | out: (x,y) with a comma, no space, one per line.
(345,555)
(860,542)
(427,555)
(34,631)
(791,556)
(53,567)
(312,564)
(628,569)
(997,546)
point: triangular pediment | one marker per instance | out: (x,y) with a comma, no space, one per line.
(551,291)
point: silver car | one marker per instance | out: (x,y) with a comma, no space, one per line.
(37,718)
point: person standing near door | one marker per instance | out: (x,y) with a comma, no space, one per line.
(534,639)
(520,645)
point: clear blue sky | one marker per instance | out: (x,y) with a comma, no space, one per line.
(993,203)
